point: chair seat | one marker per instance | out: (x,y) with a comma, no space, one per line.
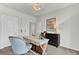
(28,46)
(19,45)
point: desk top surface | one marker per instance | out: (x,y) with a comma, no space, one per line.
(38,40)
(34,38)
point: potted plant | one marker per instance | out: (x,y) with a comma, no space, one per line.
(42,35)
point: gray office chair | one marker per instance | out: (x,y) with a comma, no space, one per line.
(19,45)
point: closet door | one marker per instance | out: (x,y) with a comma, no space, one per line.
(9,28)
(24,27)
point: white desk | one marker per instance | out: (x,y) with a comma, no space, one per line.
(39,42)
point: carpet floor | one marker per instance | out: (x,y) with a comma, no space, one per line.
(51,50)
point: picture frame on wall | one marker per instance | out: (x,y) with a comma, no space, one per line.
(51,25)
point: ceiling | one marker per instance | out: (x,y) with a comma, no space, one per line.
(28,9)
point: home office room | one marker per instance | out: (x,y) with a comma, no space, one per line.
(39,28)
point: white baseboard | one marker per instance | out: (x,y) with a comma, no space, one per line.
(70,48)
(3,46)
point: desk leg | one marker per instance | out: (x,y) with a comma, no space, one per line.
(44,48)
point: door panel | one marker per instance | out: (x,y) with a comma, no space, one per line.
(9,28)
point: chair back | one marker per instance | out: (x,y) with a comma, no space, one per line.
(18,45)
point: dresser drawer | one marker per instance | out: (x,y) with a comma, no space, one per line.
(54,39)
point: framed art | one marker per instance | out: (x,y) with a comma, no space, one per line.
(51,25)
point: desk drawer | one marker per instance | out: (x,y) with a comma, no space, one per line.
(33,47)
(37,49)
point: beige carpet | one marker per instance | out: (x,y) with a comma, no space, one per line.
(51,50)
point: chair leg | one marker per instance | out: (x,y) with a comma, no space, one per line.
(34,52)
(24,53)
(30,51)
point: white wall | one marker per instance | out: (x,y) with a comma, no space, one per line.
(23,19)
(9,27)
(67,21)
(38,26)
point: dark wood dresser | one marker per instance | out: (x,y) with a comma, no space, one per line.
(54,39)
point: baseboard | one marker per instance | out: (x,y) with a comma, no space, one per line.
(1,47)
(70,48)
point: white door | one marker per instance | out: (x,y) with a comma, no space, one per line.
(32,28)
(24,27)
(9,28)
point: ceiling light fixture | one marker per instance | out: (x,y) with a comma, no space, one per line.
(36,6)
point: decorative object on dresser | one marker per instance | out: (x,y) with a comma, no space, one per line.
(54,39)
(42,35)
